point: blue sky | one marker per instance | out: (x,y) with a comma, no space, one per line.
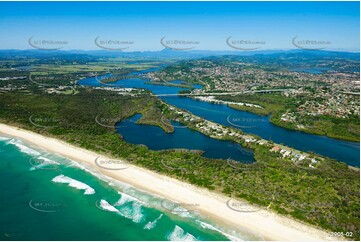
(209,23)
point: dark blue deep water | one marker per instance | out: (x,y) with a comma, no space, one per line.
(182,137)
(346,151)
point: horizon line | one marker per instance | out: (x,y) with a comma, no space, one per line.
(186,51)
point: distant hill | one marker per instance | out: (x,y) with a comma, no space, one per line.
(169,53)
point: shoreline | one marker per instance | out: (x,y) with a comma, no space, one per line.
(268,224)
(306,131)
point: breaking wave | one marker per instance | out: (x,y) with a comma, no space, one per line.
(152,224)
(23,148)
(178,234)
(211,227)
(45,162)
(74,183)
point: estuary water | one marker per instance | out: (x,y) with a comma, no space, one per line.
(346,151)
(182,138)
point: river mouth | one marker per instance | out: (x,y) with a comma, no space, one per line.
(182,138)
(345,151)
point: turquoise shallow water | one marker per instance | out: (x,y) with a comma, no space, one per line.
(47,197)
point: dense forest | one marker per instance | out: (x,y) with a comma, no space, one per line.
(327,197)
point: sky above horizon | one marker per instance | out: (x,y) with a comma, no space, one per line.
(195,25)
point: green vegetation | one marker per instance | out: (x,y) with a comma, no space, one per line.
(337,128)
(278,104)
(66,69)
(182,85)
(327,196)
(319,102)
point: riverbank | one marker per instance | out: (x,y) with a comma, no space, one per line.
(218,113)
(270,225)
(321,125)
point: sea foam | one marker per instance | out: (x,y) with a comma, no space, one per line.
(125,198)
(133,212)
(23,148)
(45,162)
(87,169)
(106,206)
(4,138)
(211,227)
(150,225)
(178,234)
(74,183)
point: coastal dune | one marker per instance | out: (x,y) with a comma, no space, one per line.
(263,222)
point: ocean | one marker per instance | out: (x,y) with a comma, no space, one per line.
(45,196)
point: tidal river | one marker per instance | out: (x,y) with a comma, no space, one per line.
(346,151)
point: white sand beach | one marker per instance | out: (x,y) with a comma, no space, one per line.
(269,224)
